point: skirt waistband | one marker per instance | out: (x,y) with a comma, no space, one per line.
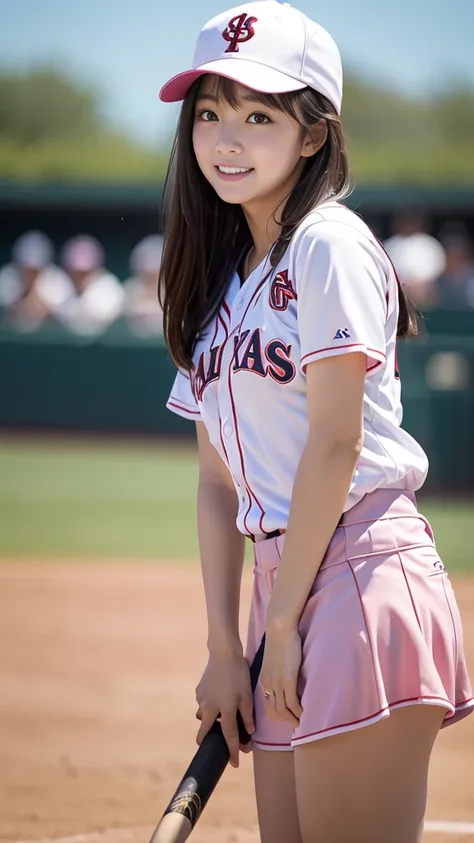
(363,510)
(382,520)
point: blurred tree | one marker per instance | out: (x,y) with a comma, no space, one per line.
(454,113)
(52,128)
(377,115)
(44,103)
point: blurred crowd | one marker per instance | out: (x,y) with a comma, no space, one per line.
(76,289)
(435,272)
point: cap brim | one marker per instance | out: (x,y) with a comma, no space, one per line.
(253,75)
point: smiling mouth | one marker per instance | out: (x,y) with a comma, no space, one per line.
(233,171)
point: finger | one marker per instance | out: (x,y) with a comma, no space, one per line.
(270,704)
(292,700)
(246,747)
(282,711)
(208,717)
(280,704)
(231,734)
(246,711)
(199,713)
(264,684)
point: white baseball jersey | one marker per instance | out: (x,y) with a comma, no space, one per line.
(334,292)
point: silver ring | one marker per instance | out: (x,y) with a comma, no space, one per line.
(267,694)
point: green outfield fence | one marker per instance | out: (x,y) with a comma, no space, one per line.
(118,383)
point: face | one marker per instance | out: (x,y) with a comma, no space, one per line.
(252,155)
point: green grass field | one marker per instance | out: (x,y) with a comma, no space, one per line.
(92,499)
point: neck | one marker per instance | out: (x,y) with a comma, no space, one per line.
(263,228)
(263,217)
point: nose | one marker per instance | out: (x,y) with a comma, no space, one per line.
(227,142)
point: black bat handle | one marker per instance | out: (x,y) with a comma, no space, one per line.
(210,760)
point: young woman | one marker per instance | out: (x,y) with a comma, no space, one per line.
(282,312)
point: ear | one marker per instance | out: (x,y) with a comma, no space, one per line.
(314,139)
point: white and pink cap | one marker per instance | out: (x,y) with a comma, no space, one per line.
(267,46)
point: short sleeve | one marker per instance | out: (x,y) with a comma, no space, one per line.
(181,400)
(341,285)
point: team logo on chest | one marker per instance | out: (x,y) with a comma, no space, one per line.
(250,354)
(239,30)
(208,369)
(281,291)
(273,360)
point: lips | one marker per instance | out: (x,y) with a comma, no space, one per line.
(228,173)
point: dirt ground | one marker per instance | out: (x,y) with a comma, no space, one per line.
(98,664)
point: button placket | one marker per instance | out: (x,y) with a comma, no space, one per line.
(226,419)
(228,428)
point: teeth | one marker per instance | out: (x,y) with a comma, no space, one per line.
(233,170)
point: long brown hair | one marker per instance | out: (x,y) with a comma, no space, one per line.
(205,237)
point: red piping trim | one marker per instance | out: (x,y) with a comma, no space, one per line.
(215,332)
(183,407)
(226,308)
(223,325)
(338,347)
(371,716)
(376,714)
(267,743)
(251,494)
(242,462)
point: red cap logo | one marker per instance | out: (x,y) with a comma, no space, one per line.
(238,30)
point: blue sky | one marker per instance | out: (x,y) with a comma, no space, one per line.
(130,47)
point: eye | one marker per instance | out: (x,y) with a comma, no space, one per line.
(206,115)
(258,118)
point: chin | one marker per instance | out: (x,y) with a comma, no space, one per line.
(232,195)
(231,200)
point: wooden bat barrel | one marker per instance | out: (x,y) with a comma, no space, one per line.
(202,775)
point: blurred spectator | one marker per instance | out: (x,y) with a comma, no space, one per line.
(418,259)
(405,224)
(32,288)
(142,309)
(455,287)
(98,296)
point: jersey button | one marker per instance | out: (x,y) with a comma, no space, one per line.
(228,430)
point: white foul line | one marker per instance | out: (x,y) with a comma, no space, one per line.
(447,827)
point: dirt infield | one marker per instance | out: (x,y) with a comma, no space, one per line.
(98,664)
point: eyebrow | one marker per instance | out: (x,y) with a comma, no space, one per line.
(243,98)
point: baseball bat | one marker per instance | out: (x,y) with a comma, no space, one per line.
(202,775)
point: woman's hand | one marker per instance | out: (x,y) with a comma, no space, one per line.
(225,689)
(279,675)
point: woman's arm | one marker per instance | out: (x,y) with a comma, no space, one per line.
(225,685)
(335,393)
(221,547)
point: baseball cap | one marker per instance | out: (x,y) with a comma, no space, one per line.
(268,46)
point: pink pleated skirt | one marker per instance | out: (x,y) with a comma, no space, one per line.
(381,628)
